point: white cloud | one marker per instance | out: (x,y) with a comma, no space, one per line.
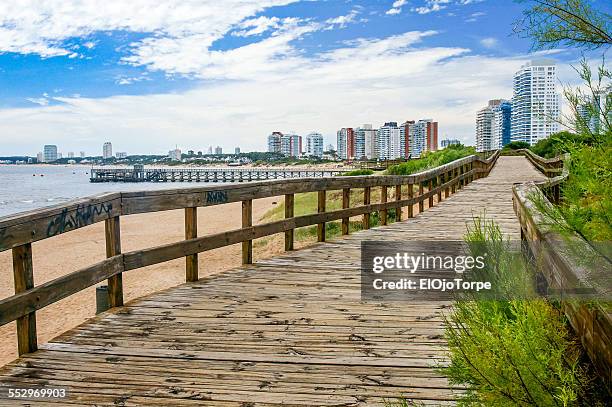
(396,8)
(39,101)
(489,42)
(342,21)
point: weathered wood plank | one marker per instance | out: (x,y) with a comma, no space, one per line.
(23,275)
(191,232)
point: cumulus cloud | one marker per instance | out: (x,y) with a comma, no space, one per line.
(489,42)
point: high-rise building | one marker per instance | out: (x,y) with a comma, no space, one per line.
(502,125)
(107,150)
(274,142)
(365,142)
(82,154)
(237,150)
(535,102)
(50,153)
(70,154)
(291,145)
(389,142)
(209,151)
(218,150)
(422,137)
(405,133)
(314,145)
(484,126)
(592,110)
(345,138)
(449,142)
(175,155)
(40,158)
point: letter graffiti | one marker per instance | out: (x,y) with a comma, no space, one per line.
(83,215)
(216,197)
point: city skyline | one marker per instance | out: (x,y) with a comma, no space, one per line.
(126,76)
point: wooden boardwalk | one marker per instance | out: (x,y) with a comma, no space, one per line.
(289,330)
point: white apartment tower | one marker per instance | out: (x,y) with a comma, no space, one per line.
(365,142)
(314,145)
(535,102)
(389,143)
(107,150)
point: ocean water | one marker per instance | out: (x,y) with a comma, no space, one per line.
(27,187)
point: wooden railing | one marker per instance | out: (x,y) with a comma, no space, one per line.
(561,260)
(18,232)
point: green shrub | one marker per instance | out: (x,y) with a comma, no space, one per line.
(357,172)
(431,160)
(516,145)
(511,353)
(558,144)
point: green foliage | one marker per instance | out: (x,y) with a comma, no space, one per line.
(515,352)
(557,144)
(516,145)
(551,23)
(357,172)
(431,160)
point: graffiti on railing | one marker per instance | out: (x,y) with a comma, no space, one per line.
(216,197)
(83,215)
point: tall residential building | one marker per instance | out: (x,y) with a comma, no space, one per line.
(484,126)
(535,102)
(82,154)
(389,143)
(593,110)
(449,142)
(291,145)
(209,151)
(107,150)
(40,158)
(237,150)
(365,142)
(70,154)
(175,155)
(314,145)
(345,138)
(218,150)
(501,128)
(422,137)
(274,142)
(50,153)
(405,138)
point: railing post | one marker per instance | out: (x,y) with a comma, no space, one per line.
(410,196)
(346,203)
(398,197)
(431,198)
(366,201)
(421,203)
(23,275)
(289,205)
(438,184)
(453,181)
(321,209)
(447,178)
(247,222)
(112,228)
(383,199)
(191,232)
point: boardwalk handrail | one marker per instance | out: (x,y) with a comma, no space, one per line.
(556,259)
(18,232)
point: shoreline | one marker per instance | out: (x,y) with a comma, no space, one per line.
(68,252)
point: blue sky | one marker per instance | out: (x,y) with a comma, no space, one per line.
(149,75)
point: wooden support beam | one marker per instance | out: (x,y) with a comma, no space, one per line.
(321,209)
(398,197)
(289,211)
(429,188)
(438,183)
(447,178)
(112,229)
(383,199)
(23,274)
(191,232)
(346,203)
(421,203)
(410,196)
(247,221)
(366,201)
(453,176)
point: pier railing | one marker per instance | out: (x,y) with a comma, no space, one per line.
(568,263)
(18,232)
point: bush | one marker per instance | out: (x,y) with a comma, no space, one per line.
(357,172)
(431,160)
(516,145)
(557,144)
(515,352)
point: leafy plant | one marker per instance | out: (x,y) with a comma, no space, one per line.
(431,160)
(357,172)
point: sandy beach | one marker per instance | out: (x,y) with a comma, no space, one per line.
(63,254)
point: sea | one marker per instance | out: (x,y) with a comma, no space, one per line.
(27,187)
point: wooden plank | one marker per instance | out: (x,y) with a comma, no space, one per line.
(23,275)
(431,197)
(42,295)
(289,212)
(398,197)
(321,209)
(383,199)
(112,233)
(366,201)
(421,198)
(191,232)
(247,221)
(346,203)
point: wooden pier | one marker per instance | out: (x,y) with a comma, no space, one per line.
(225,174)
(291,330)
